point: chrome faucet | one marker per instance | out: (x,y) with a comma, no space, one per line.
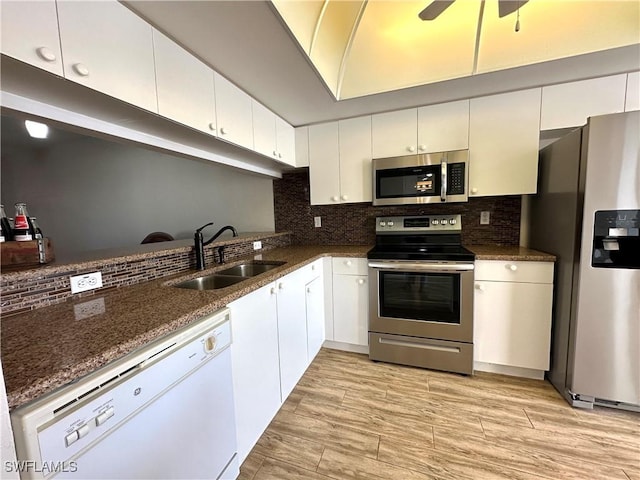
(199,243)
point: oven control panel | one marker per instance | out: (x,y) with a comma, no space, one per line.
(426,224)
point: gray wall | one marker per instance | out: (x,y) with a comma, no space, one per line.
(88,193)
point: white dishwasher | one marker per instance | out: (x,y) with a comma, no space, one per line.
(165,411)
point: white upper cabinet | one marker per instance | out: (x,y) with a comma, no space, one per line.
(264,129)
(234,113)
(394,133)
(302,146)
(185,86)
(324,163)
(30,34)
(110,49)
(503,143)
(443,127)
(632,97)
(340,161)
(570,104)
(355,159)
(285,142)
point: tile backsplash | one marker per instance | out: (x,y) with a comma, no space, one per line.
(354,223)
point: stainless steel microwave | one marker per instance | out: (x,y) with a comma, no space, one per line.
(425,178)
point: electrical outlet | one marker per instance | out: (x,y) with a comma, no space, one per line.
(485,218)
(88,281)
(257,245)
(89,309)
(317,222)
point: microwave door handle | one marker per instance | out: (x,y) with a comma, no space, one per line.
(443,180)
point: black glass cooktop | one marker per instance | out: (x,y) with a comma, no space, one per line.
(420,252)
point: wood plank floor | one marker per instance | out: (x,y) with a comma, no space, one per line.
(350,418)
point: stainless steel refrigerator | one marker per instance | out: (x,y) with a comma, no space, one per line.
(587,213)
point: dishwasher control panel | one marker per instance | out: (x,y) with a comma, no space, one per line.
(127,393)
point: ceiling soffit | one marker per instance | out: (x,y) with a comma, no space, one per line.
(366,47)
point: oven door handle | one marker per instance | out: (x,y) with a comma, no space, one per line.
(422,266)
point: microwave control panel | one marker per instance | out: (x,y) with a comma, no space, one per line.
(455,178)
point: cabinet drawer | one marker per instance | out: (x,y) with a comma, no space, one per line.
(506,271)
(350,266)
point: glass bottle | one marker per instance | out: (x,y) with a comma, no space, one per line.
(22,227)
(37,232)
(6,233)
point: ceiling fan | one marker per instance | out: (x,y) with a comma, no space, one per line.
(435,8)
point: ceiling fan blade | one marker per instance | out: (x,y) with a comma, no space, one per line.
(434,9)
(505,7)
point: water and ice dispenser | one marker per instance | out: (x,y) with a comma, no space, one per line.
(616,239)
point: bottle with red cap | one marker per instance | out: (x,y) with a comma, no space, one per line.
(23,230)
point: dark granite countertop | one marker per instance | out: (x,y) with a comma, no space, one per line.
(49,347)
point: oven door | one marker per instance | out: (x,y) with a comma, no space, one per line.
(422,299)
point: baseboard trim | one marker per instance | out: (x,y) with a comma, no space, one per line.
(508,370)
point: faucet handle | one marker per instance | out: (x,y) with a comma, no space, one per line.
(203,227)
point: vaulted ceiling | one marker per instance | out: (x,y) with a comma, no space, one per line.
(250,43)
(364,47)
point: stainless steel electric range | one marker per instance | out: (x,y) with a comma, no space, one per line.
(421,294)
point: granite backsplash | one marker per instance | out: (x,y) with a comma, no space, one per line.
(354,223)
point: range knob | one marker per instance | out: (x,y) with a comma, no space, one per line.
(383,224)
(435,221)
(452,221)
(390,224)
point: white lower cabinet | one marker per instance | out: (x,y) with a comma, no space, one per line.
(277,330)
(256,365)
(350,301)
(512,316)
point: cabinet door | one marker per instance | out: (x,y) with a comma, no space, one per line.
(512,324)
(110,49)
(315,317)
(324,163)
(355,159)
(350,309)
(256,367)
(394,133)
(285,142)
(327,273)
(570,104)
(264,130)
(503,143)
(632,97)
(443,127)
(30,33)
(292,330)
(185,86)
(302,146)
(233,111)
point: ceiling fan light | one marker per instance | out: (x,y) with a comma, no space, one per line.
(36,129)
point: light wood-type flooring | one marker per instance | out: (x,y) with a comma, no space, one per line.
(350,418)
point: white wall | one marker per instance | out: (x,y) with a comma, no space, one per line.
(88,193)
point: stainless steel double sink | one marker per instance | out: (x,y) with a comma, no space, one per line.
(229,276)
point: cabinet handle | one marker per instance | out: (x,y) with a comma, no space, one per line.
(212,127)
(474,190)
(348,263)
(275,154)
(479,287)
(46,54)
(334,198)
(273,291)
(361,281)
(281,286)
(411,148)
(313,267)
(81,69)
(512,267)
(279,155)
(422,148)
(223,131)
(308,289)
(344,197)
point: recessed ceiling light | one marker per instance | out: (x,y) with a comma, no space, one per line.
(36,129)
